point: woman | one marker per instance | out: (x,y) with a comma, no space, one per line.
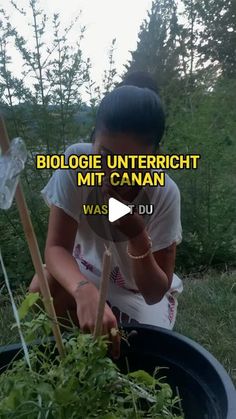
(143,286)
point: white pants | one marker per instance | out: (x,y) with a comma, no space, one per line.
(131,308)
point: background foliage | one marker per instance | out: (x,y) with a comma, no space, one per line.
(189,47)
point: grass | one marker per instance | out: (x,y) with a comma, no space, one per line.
(206,313)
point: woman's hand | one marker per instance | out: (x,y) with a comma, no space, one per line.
(131,225)
(87,299)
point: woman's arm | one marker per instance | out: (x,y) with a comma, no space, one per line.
(153,274)
(64,268)
(58,251)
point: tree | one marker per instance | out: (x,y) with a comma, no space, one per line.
(52,76)
(39,105)
(218,34)
(190,50)
(157,48)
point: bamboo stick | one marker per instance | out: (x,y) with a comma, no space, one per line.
(106,269)
(33,247)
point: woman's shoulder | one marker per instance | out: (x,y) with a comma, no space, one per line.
(169,188)
(165,196)
(170,185)
(79,148)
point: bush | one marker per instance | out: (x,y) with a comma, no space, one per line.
(204,124)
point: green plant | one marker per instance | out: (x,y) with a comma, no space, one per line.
(84,384)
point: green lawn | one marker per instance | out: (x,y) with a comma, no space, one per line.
(206,313)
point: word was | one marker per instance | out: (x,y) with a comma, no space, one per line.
(96,209)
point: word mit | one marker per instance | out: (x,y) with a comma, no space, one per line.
(122,179)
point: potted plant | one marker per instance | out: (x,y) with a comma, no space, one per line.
(166,371)
(84,383)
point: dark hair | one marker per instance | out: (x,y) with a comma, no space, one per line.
(140,79)
(133,107)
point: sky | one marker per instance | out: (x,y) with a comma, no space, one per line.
(104,20)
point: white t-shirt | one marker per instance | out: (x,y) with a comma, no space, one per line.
(163,226)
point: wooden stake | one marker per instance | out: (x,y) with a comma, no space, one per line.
(106,269)
(33,247)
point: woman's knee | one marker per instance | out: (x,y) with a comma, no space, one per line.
(35,287)
(62,301)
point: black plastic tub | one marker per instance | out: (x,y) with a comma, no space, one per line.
(204,386)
